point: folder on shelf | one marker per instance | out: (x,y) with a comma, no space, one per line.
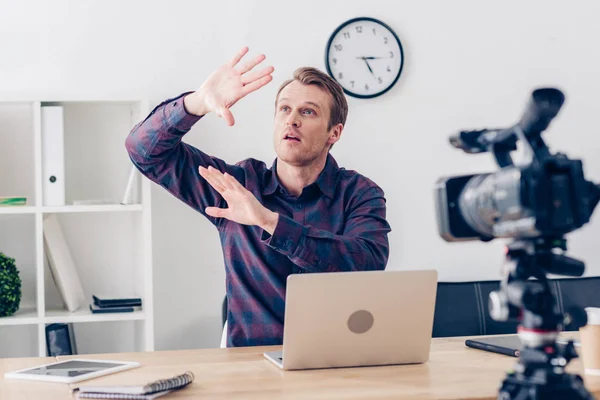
(61,264)
(131,194)
(53,156)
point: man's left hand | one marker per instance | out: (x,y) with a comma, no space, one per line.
(243,207)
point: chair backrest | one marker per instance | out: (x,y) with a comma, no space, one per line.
(224,312)
(461,308)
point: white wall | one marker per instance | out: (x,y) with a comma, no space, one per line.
(469,64)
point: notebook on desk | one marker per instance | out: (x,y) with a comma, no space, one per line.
(148,391)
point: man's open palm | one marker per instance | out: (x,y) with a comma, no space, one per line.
(242,206)
(231,82)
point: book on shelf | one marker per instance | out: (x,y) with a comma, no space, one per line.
(104,302)
(62,266)
(60,340)
(150,390)
(7,201)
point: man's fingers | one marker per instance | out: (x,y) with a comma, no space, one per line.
(227,115)
(254,75)
(218,177)
(257,84)
(216,212)
(252,63)
(227,181)
(238,56)
(232,182)
(205,173)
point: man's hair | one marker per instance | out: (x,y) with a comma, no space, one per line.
(313,76)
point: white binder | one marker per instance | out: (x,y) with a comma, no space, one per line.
(53,156)
(62,267)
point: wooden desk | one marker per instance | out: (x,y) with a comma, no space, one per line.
(453,372)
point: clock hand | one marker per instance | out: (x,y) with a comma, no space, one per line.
(371,58)
(368,66)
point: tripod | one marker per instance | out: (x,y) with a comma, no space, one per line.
(539,373)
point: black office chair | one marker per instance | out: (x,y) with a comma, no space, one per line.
(461,308)
(224,312)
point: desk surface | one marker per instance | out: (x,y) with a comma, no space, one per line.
(452,372)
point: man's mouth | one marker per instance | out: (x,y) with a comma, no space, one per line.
(291,136)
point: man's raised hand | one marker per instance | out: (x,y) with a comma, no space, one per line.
(228,84)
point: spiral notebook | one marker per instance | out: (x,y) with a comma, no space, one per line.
(149,391)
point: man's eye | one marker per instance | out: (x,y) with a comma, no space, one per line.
(309,112)
(284,108)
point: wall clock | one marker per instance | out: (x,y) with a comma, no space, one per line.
(365,56)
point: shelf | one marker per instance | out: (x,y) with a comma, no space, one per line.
(85,315)
(24,316)
(18,210)
(92,208)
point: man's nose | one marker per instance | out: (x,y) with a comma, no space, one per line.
(293,120)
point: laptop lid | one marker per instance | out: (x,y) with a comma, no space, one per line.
(341,319)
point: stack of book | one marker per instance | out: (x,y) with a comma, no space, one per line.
(115,305)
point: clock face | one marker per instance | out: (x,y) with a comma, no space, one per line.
(365,56)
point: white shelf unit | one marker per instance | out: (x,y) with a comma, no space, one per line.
(111,243)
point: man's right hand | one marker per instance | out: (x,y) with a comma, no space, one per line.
(227,85)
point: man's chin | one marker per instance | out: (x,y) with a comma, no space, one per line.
(295,160)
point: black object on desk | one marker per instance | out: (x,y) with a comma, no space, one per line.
(508,345)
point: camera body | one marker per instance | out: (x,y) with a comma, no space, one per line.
(548,196)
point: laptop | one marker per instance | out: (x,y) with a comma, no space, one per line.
(353,319)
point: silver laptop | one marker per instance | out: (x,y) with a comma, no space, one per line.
(350,319)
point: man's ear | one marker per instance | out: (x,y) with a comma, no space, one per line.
(335,134)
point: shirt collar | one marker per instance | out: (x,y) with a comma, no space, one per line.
(326,181)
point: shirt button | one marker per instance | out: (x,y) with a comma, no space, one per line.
(298,206)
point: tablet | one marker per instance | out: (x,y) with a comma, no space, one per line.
(71,371)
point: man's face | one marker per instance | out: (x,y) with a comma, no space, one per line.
(301,120)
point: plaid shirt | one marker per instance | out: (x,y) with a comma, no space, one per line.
(337,223)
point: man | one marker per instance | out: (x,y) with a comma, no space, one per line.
(304,214)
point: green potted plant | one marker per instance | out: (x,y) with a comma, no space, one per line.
(10,286)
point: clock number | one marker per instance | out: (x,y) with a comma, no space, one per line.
(341,76)
(385,40)
(346,35)
(366,87)
(359,29)
(338,47)
(391,54)
(389,69)
(334,60)
(374,32)
(379,80)
(352,83)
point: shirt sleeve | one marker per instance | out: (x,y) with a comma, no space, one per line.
(363,245)
(156,148)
